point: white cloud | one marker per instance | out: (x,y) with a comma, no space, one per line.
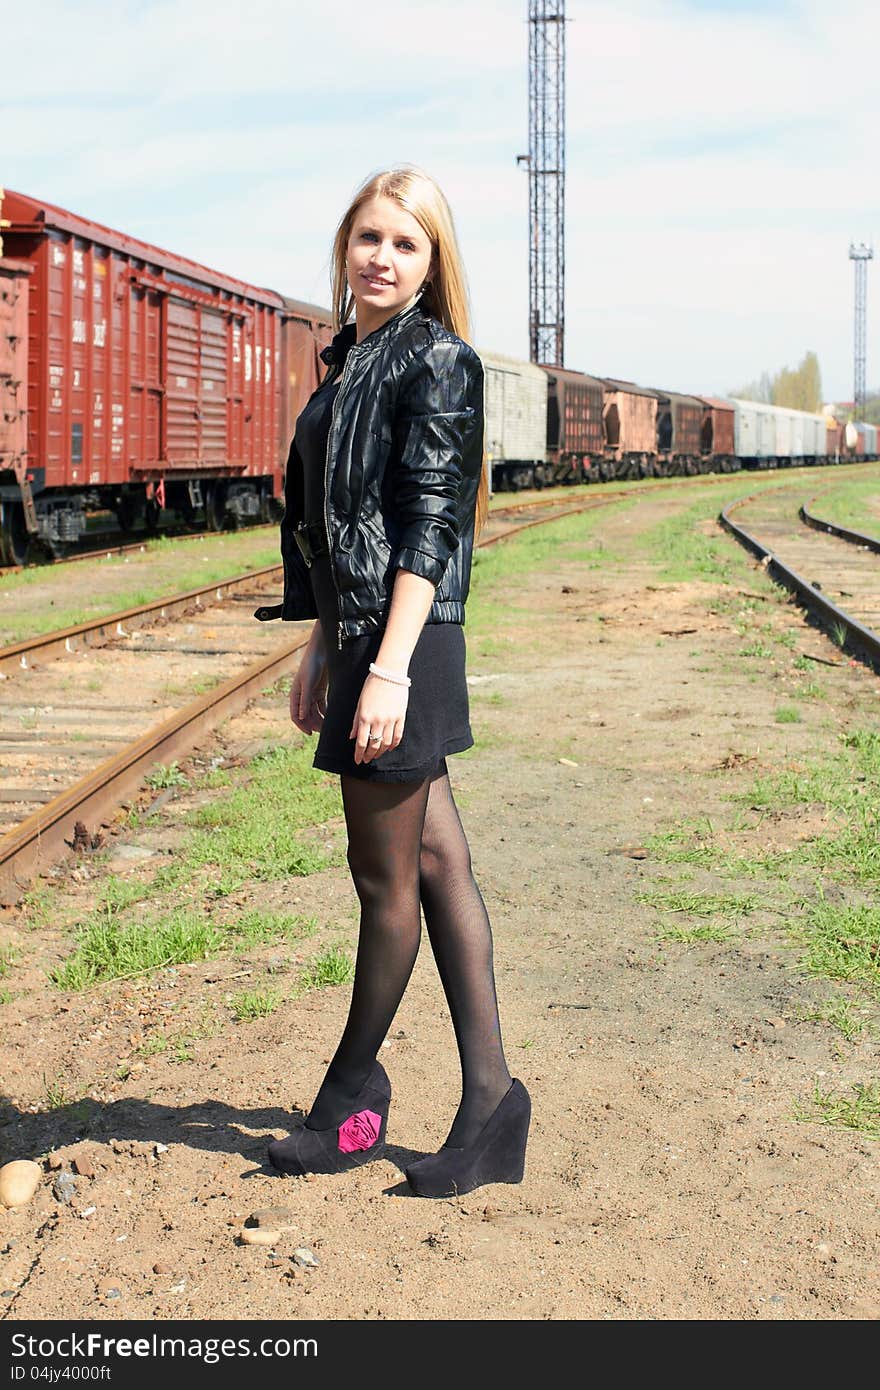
(717,159)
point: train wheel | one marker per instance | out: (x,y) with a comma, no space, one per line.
(216,515)
(127,511)
(16,545)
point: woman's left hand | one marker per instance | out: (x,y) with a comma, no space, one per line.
(381,711)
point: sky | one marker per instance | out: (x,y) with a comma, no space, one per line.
(721,155)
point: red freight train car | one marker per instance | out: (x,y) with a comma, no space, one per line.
(575,434)
(151,381)
(13,377)
(307,328)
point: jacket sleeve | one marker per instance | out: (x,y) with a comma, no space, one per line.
(434,417)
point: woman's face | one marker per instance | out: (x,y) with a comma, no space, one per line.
(388,258)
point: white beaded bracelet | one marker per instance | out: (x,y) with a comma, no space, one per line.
(389,675)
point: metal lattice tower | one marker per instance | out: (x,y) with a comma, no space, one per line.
(546,165)
(861,254)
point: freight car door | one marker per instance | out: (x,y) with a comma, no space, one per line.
(180,425)
(213,374)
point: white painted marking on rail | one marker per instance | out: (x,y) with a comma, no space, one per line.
(120,630)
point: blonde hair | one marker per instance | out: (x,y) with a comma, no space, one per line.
(445,295)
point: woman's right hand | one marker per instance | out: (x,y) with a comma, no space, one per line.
(308,693)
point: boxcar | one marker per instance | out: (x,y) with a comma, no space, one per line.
(717,434)
(151,380)
(14,276)
(306,329)
(679,431)
(575,432)
(516,421)
(630,421)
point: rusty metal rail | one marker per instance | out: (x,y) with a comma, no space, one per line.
(845,533)
(848,632)
(98,631)
(72,817)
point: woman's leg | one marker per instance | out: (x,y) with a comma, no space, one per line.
(384,822)
(461,939)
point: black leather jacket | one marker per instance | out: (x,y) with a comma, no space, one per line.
(404,456)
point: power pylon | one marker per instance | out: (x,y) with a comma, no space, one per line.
(546,165)
(861,254)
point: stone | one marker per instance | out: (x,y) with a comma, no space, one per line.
(259,1236)
(19,1181)
(84,1166)
(276,1218)
(305,1258)
(64,1186)
(160,1268)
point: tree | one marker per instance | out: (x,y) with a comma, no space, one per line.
(799,388)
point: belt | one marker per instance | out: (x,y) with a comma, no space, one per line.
(311,537)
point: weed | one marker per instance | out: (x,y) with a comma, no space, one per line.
(107,949)
(332,967)
(842,942)
(756,648)
(8,957)
(839,632)
(166,776)
(255,829)
(38,904)
(258,928)
(859,1111)
(6,996)
(788,714)
(250,1004)
(56,1096)
(701,904)
(689,935)
(840,1013)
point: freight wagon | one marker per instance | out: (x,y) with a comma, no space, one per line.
(135,380)
(150,381)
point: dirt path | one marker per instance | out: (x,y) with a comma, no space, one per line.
(666,1175)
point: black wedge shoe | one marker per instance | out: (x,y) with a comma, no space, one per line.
(355,1141)
(498,1154)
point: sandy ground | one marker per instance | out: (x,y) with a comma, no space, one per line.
(666,1175)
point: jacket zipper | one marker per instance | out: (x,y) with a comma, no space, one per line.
(339,628)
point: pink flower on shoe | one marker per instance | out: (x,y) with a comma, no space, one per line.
(360,1131)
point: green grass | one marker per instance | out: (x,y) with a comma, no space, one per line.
(6,996)
(56,1098)
(700,904)
(841,942)
(332,967)
(691,546)
(8,957)
(251,1004)
(788,714)
(169,568)
(108,949)
(859,1110)
(689,936)
(257,827)
(257,928)
(843,1014)
(852,503)
(164,776)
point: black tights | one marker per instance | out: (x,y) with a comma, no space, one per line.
(406,847)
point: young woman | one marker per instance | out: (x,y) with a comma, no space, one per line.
(385,487)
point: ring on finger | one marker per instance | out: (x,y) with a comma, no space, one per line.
(375,738)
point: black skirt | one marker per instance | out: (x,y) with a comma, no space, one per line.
(437,719)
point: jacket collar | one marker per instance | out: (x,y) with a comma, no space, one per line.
(337,350)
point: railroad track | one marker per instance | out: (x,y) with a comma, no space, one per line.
(149,683)
(833,571)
